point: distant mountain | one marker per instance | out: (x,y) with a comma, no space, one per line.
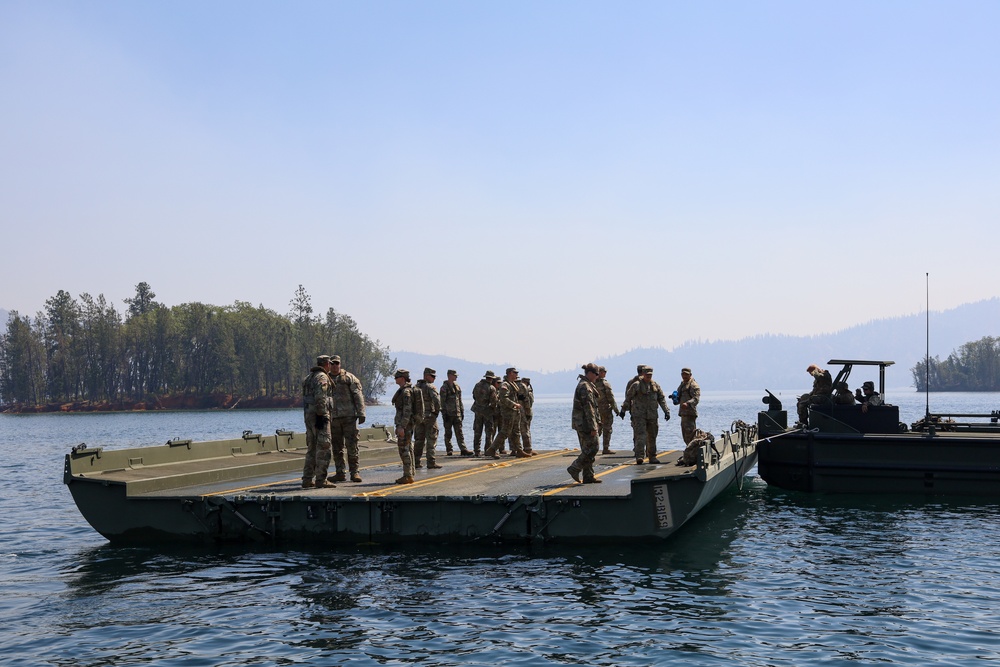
(767,361)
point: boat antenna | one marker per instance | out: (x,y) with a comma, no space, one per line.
(927,352)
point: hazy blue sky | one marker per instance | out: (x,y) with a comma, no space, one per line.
(534,182)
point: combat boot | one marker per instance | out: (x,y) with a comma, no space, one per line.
(574,473)
(324,484)
(355,477)
(307,483)
(339,477)
(405,479)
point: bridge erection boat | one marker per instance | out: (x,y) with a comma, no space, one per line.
(249,489)
(850,449)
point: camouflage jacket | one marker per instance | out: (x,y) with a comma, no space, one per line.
(605,396)
(529,398)
(626,404)
(508,396)
(688,392)
(585,415)
(346,396)
(451,400)
(408,403)
(315,391)
(643,397)
(432,402)
(484,398)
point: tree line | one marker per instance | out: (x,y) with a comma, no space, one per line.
(86,350)
(974,366)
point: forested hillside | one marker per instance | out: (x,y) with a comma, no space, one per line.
(85,350)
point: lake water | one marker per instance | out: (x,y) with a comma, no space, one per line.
(760,577)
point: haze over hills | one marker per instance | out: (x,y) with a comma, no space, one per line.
(769,361)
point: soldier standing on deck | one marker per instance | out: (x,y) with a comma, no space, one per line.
(643,397)
(407,402)
(347,410)
(315,392)
(586,422)
(453,413)
(510,418)
(425,433)
(607,406)
(639,370)
(527,413)
(688,396)
(494,425)
(484,395)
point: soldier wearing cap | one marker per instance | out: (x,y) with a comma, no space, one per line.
(484,396)
(425,432)
(347,401)
(607,406)
(453,413)
(822,392)
(494,425)
(408,403)
(643,398)
(867,395)
(527,400)
(509,428)
(586,423)
(315,403)
(688,396)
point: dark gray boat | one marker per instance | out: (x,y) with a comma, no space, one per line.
(843,449)
(249,489)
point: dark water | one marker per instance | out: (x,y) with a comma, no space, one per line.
(760,577)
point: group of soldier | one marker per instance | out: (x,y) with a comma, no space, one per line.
(334,406)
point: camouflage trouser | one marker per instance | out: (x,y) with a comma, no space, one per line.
(344,431)
(526,433)
(805,400)
(453,423)
(425,438)
(480,424)
(405,445)
(688,427)
(584,463)
(606,427)
(317,462)
(644,432)
(509,430)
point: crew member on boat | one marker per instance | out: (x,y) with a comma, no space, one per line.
(586,422)
(821,392)
(408,403)
(643,397)
(688,396)
(315,404)
(867,395)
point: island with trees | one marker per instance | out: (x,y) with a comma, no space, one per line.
(84,355)
(975,366)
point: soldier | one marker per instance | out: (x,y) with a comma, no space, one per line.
(688,396)
(315,392)
(642,398)
(526,403)
(425,432)
(484,396)
(510,418)
(586,423)
(407,403)
(494,424)
(347,411)
(639,370)
(821,392)
(453,413)
(607,407)
(869,397)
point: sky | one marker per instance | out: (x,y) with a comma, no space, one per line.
(540,183)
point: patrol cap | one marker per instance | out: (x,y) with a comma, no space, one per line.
(490,374)
(526,380)
(602,369)
(512,370)
(452,371)
(322,359)
(868,385)
(335,359)
(590,368)
(640,368)
(686,370)
(430,371)
(647,370)
(402,373)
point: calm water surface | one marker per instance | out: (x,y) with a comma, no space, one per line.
(760,577)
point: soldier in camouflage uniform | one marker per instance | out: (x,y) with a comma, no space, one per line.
(494,425)
(453,413)
(639,370)
(643,397)
(425,432)
(484,396)
(688,396)
(347,410)
(822,392)
(607,406)
(315,394)
(510,418)
(586,423)
(527,414)
(407,402)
